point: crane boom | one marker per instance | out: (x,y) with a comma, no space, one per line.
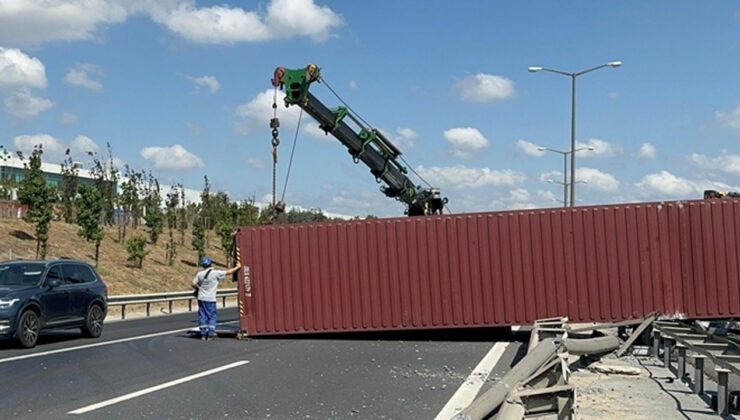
(367,144)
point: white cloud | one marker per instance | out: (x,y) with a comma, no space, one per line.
(85,75)
(729,164)
(403,138)
(256,163)
(601,148)
(667,184)
(208,82)
(68,118)
(23,104)
(37,21)
(174,158)
(597,180)
(466,141)
(54,149)
(552,175)
(255,115)
(227,25)
(83,145)
(460,176)
(529,148)
(729,119)
(485,88)
(19,70)
(648,151)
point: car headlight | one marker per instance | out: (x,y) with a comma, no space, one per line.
(7,303)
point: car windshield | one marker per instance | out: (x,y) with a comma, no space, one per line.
(18,274)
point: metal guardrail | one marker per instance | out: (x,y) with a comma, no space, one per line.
(169,297)
(724,352)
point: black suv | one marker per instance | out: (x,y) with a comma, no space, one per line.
(50,294)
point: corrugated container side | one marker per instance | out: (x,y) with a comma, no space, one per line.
(594,263)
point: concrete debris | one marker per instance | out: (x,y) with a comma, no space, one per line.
(614,369)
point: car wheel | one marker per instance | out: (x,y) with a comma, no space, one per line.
(28,329)
(94,322)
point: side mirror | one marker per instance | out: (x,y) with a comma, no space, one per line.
(52,283)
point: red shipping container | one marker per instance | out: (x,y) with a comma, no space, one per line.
(597,263)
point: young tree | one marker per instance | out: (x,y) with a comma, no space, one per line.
(90,208)
(7,184)
(153,217)
(106,178)
(34,192)
(130,202)
(182,216)
(205,207)
(173,199)
(199,241)
(136,248)
(68,188)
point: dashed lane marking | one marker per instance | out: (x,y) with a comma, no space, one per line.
(156,388)
(104,343)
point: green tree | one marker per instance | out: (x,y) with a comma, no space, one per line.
(171,204)
(90,208)
(7,184)
(136,248)
(106,177)
(153,216)
(199,241)
(34,192)
(205,207)
(68,188)
(182,216)
(129,201)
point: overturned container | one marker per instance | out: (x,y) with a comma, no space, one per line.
(596,263)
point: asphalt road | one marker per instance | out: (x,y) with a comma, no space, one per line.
(152,368)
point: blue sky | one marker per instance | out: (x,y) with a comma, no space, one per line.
(181,88)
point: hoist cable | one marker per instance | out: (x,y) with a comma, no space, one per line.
(292,152)
(370,126)
(345,103)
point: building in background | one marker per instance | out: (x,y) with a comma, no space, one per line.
(12,168)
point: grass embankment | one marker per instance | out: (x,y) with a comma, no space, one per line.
(121,276)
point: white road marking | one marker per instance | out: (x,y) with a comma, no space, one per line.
(472,385)
(104,343)
(155,388)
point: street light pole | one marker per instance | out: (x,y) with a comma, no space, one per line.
(565,182)
(573,77)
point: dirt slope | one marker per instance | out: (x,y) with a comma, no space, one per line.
(17,236)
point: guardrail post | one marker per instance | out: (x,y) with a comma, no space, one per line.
(223,304)
(723,406)
(699,374)
(656,344)
(148,304)
(190,305)
(667,350)
(123,311)
(170,306)
(681,361)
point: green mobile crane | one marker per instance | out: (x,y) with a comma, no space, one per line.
(367,144)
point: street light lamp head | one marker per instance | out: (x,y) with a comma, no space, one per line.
(614,63)
(542,149)
(534,69)
(590,148)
